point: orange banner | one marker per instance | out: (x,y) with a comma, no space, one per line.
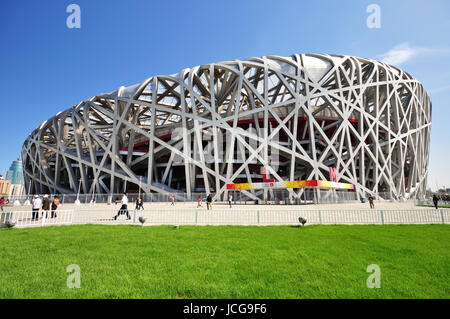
(292,184)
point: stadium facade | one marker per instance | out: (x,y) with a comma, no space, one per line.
(221,123)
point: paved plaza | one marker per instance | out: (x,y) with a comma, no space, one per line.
(353,206)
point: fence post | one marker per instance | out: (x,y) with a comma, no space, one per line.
(73,216)
(382,217)
(442,216)
(44,217)
(320,217)
(257,216)
(134,216)
(196,216)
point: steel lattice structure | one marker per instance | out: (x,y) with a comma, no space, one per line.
(370,120)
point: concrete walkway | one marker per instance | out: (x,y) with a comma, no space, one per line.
(352,206)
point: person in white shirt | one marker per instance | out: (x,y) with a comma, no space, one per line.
(124,208)
(37,202)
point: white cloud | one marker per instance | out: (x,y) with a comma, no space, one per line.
(439,89)
(402,53)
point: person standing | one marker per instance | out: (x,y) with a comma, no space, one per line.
(199,201)
(124,208)
(371,198)
(37,202)
(55,204)
(45,206)
(2,202)
(435,201)
(172,198)
(230,199)
(208,202)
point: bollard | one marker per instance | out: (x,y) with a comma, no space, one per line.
(382,217)
(196,216)
(257,216)
(442,216)
(320,217)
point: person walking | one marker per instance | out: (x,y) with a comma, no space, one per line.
(2,202)
(230,199)
(55,204)
(37,202)
(208,202)
(435,201)
(124,208)
(371,198)
(172,198)
(45,206)
(199,201)
(139,204)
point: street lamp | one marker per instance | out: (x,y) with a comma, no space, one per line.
(77,201)
(140,177)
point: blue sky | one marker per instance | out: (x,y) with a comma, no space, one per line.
(46,67)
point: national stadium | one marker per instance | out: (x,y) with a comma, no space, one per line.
(265,127)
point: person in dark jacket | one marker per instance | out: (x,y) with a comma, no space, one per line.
(45,206)
(55,205)
(371,198)
(435,201)
(139,204)
(208,202)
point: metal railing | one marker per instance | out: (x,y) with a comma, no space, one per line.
(429,201)
(107,198)
(230,217)
(39,218)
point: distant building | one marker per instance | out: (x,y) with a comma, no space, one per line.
(15,176)
(15,172)
(5,187)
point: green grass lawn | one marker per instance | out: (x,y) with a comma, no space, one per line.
(226,261)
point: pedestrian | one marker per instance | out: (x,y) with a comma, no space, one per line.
(124,208)
(2,202)
(55,205)
(35,208)
(139,204)
(45,206)
(371,198)
(208,202)
(172,198)
(199,201)
(230,199)
(435,201)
